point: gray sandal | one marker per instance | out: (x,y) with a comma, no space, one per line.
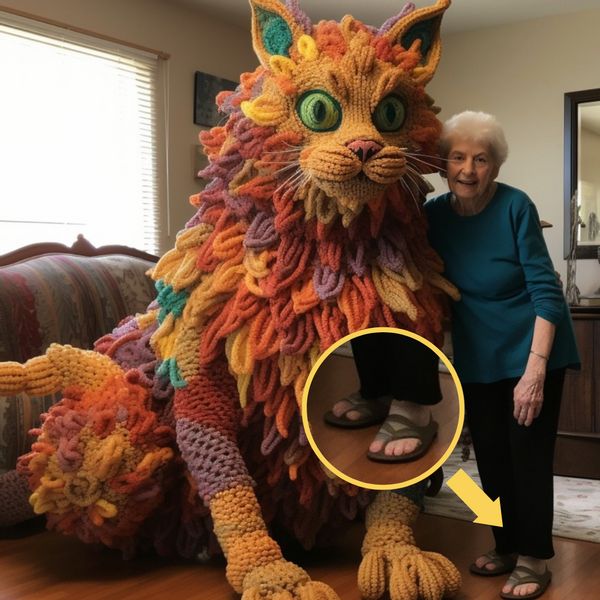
(503,563)
(372,412)
(399,427)
(522,575)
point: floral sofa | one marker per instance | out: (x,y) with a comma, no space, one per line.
(52,293)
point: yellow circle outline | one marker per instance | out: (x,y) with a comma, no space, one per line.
(383,486)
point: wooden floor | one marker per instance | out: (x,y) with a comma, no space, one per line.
(346,449)
(47,566)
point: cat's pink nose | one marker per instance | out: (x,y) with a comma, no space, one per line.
(364,149)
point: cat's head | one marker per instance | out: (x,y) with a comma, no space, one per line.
(351,98)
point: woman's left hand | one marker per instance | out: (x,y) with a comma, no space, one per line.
(528,395)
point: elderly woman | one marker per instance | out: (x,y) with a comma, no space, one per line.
(513,339)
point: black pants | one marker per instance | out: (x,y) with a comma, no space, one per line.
(516,462)
(398,366)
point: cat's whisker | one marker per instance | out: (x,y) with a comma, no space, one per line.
(408,186)
(282,151)
(284,169)
(417,179)
(291,178)
(420,160)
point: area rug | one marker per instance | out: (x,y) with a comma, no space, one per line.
(576,502)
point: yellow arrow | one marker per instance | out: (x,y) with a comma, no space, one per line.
(488,512)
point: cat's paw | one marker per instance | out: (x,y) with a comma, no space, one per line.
(407,573)
(283,580)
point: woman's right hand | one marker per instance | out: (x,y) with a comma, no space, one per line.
(528,395)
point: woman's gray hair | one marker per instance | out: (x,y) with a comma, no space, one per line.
(479,127)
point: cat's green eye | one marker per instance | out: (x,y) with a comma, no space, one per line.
(389,115)
(319,111)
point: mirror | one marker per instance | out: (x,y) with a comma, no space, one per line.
(582,171)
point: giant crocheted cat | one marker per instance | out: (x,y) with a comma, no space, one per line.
(311,227)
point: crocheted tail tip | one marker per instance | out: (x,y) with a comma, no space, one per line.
(59,368)
(101,464)
(36,377)
(283,580)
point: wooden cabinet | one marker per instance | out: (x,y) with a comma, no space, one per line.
(578,443)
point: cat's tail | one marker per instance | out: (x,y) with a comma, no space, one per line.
(61,367)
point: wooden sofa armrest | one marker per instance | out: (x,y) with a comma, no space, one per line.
(81,247)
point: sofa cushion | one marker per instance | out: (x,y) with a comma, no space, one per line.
(61,298)
(68,299)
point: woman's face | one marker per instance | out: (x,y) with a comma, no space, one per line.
(471,170)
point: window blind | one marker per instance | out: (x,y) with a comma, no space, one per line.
(79,136)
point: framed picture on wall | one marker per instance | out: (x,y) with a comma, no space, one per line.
(206,88)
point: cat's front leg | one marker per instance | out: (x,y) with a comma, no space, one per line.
(207,415)
(391,560)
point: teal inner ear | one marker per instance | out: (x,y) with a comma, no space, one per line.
(425,31)
(275,32)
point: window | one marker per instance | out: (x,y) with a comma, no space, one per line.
(78,139)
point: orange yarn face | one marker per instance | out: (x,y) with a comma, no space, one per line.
(351,100)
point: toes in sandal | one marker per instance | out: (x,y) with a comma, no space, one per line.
(522,575)
(372,412)
(399,427)
(503,563)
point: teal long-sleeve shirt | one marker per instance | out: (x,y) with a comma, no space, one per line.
(499,262)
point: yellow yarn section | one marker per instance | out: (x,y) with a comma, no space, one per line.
(178,266)
(392,562)
(241,361)
(390,287)
(60,367)
(86,486)
(265,110)
(281,65)
(187,352)
(147,319)
(225,508)
(255,264)
(164,339)
(307,47)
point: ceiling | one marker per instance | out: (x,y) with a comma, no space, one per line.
(463,15)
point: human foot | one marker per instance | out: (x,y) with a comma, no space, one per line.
(491,563)
(355,411)
(529,579)
(406,433)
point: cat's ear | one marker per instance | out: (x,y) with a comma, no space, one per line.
(274,30)
(420,29)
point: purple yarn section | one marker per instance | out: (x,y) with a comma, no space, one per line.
(390,256)
(300,16)
(302,439)
(272,438)
(408,8)
(137,354)
(328,283)
(224,167)
(261,234)
(214,461)
(240,206)
(356,262)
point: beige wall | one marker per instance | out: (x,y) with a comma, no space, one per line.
(195,43)
(520,73)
